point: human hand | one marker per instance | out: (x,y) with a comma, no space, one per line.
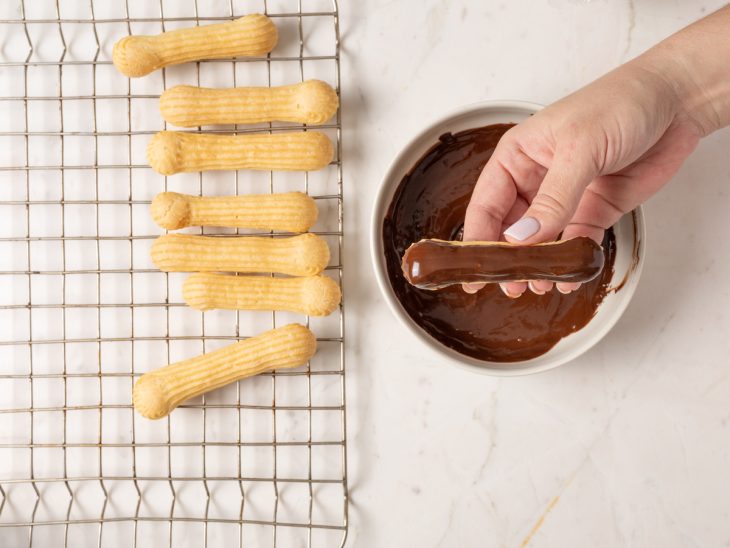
(577,166)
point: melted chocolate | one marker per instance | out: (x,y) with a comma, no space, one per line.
(434,264)
(635,256)
(430,202)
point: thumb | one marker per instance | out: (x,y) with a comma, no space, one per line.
(556,200)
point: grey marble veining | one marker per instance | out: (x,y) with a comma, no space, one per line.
(626,446)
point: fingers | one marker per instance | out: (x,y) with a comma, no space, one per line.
(594,214)
(491,201)
(495,203)
(574,230)
(567,288)
(550,212)
(516,289)
(540,287)
(556,200)
(472,288)
(513,289)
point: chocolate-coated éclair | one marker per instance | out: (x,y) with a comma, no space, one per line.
(434,264)
(430,202)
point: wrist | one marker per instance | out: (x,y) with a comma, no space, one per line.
(693,65)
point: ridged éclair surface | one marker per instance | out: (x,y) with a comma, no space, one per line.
(171,152)
(157,393)
(302,255)
(286,211)
(309,102)
(248,36)
(311,295)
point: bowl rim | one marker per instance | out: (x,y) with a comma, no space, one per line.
(505,369)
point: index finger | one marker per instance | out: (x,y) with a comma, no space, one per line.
(491,201)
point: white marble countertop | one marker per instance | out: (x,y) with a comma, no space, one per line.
(628,445)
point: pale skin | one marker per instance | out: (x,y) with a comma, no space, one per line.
(581,163)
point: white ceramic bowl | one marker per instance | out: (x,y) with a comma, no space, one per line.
(630,235)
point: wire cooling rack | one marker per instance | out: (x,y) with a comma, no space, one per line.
(83,312)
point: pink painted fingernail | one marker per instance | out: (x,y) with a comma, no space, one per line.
(567,288)
(533,289)
(570,287)
(472,287)
(503,287)
(523,229)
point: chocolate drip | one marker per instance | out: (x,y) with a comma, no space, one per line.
(430,202)
(434,264)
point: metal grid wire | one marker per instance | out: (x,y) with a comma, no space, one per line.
(83,312)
